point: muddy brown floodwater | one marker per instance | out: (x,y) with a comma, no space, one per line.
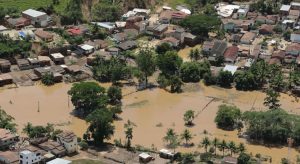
(153,111)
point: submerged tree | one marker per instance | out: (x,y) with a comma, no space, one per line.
(205,143)
(272,100)
(129,132)
(186,135)
(48,79)
(114,94)
(188,117)
(100,126)
(7,121)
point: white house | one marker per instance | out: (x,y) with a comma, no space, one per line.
(37,18)
(88,49)
(69,140)
(28,157)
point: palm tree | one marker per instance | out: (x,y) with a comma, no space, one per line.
(231,147)
(186,135)
(215,143)
(129,136)
(223,146)
(129,132)
(241,148)
(205,143)
(196,54)
(188,117)
(169,135)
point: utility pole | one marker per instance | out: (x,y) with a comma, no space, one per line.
(290,142)
(38,106)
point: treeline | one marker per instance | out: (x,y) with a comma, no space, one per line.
(271,127)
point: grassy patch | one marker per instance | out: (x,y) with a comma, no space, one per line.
(137,104)
(174,3)
(86,161)
(22,5)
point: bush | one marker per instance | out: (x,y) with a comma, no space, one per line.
(209,79)
(84,145)
(48,79)
(227,117)
(243,158)
(225,79)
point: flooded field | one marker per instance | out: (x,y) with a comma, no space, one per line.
(153,111)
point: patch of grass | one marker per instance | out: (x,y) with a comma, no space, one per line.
(22,5)
(174,3)
(86,161)
(137,104)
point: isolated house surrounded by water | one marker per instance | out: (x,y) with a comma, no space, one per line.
(37,18)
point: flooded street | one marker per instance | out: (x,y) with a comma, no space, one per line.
(153,111)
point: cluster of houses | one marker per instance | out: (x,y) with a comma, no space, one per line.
(17,150)
(251,35)
(124,33)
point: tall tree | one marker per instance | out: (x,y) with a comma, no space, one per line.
(225,79)
(215,143)
(73,11)
(88,96)
(231,147)
(271,100)
(146,62)
(169,135)
(241,148)
(100,125)
(169,63)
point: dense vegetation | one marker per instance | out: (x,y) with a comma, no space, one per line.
(7,121)
(10,48)
(228,117)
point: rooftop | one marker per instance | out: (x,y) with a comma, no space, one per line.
(33,13)
(285,8)
(230,68)
(11,156)
(57,55)
(59,161)
(67,136)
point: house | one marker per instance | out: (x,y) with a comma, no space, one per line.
(252,15)
(170,16)
(4,66)
(27,157)
(7,137)
(73,69)
(284,10)
(226,10)
(113,50)
(87,49)
(266,29)
(219,48)
(51,146)
(97,44)
(120,25)
(44,35)
(141,12)
(293,49)
(41,71)
(131,34)
(57,58)
(190,39)
(9,157)
(109,26)
(159,30)
(244,50)
(295,5)
(127,45)
(230,68)
(23,64)
(37,18)
(261,19)
(69,140)
(235,38)
(242,12)
(207,46)
(231,54)
(3,28)
(74,31)
(294,15)
(34,62)
(145,158)
(255,51)
(229,160)
(248,38)
(167,154)
(272,19)
(136,22)
(288,59)
(295,38)
(59,161)
(44,61)
(277,57)
(18,23)
(236,25)
(172,41)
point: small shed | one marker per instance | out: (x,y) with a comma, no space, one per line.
(34,62)
(4,65)
(5,79)
(145,158)
(88,49)
(23,64)
(57,58)
(44,61)
(73,69)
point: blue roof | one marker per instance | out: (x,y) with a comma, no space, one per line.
(22,34)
